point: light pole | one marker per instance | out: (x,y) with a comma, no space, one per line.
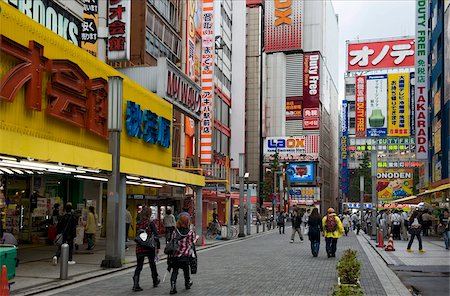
(361,195)
(241,194)
(275,195)
(249,213)
(374,192)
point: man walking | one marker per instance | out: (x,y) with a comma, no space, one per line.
(296,222)
(332,230)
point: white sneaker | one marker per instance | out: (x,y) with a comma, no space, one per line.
(55,260)
(71,262)
(291,241)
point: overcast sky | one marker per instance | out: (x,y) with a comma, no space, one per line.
(370,19)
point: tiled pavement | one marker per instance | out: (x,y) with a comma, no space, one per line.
(262,265)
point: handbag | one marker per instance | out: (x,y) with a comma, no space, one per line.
(142,238)
(441,229)
(193,262)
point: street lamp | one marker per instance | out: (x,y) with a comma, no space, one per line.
(275,194)
(241,193)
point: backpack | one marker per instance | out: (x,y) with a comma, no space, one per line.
(330,224)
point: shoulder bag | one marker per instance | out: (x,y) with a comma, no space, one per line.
(142,238)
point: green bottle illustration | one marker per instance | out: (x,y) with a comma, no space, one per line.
(376,119)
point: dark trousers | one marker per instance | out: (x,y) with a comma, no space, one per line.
(90,240)
(70,243)
(315,245)
(396,231)
(183,264)
(127,229)
(140,263)
(330,245)
(281,226)
(412,239)
(169,231)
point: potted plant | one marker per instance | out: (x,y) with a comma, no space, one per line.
(349,270)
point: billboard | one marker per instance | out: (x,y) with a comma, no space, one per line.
(421,92)
(360,128)
(292,148)
(89,28)
(303,193)
(294,108)
(301,172)
(394,183)
(193,11)
(376,122)
(398,104)
(283,25)
(311,79)
(207,81)
(119,20)
(344,143)
(369,55)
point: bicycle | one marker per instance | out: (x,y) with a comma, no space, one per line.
(212,231)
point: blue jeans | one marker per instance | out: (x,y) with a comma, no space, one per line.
(447,239)
(315,245)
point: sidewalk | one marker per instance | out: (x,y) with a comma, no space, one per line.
(36,273)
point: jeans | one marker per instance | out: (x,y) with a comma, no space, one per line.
(315,245)
(140,263)
(412,239)
(180,264)
(330,245)
(90,240)
(447,239)
(298,230)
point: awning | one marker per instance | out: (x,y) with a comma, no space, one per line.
(439,188)
(409,200)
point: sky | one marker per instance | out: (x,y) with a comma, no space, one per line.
(371,19)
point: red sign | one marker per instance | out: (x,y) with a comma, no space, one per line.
(382,54)
(293,108)
(71,95)
(360,107)
(311,124)
(311,79)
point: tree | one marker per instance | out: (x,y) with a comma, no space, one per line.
(364,169)
(267,184)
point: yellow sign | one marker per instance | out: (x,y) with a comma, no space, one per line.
(394,183)
(398,105)
(89,34)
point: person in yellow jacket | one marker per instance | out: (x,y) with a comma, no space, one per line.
(332,230)
(91,228)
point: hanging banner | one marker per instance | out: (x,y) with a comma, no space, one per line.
(412,96)
(421,93)
(376,87)
(193,9)
(344,142)
(311,79)
(360,128)
(398,104)
(207,82)
(90,25)
(119,19)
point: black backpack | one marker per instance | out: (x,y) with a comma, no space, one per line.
(172,245)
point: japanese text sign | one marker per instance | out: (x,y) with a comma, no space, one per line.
(89,26)
(311,79)
(398,104)
(293,108)
(394,183)
(311,119)
(119,19)
(382,54)
(360,107)
(376,110)
(207,81)
(343,150)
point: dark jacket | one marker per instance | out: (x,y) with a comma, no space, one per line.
(150,228)
(67,225)
(296,221)
(315,227)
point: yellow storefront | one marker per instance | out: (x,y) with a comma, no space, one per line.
(53,110)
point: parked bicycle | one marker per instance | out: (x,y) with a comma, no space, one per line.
(213,230)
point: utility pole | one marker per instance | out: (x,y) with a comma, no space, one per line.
(374,193)
(361,195)
(241,194)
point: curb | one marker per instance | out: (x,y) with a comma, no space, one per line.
(383,255)
(57,283)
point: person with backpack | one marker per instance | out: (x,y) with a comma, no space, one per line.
(296,222)
(144,223)
(67,226)
(332,230)
(182,243)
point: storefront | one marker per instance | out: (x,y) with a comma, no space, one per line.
(53,130)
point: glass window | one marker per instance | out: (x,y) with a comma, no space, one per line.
(350,89)
(352,122)
(225,114)
(351,106)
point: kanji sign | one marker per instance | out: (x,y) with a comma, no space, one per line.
(376,109)
(293,108)
(381,54)
(207,82)
(119,18)
(89,26)
(360,107)
(398,104)
(311,119)
(343,148)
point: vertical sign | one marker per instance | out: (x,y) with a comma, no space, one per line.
(294,108)
(207,81)
(398,104)
(344,139)
(412,111)
(376,110)
(421,100)
(360,107)
(89,27)
(311,79)
(119,18)
(191,7)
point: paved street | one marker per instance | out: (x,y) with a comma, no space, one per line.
(263,265)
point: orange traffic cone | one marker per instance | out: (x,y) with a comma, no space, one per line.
(380,239)
(4,286)
(390,245)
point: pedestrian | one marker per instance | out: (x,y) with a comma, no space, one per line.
(145,223)
(281,220)
(128,220)
(305,217)
(346,223)
(169,224)
(444,222)
(405,225)
(67,226)
(368,220)
(91,228)
(258,218)
(332,230)
(315,227)
(236,219)
(427,222)
(55,214)
(296,222)
(7,238)
(414,229)
(185,238)
(396,225)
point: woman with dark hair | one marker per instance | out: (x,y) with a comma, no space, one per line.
(315,227)
(180,260)
(414,229)
(145,223)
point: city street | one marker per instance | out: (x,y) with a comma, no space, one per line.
(262,265)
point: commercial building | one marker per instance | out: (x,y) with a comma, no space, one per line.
(54,133)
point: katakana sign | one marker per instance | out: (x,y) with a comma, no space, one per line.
(380,54)
(119,18)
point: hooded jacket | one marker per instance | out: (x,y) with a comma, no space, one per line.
(339,230)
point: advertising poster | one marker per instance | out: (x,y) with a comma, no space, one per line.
(301,148)
(360,127)
(89,28)
(303,192)
(193,22)
(394,183)
(293,108)
(412,111)
(344,139)
(376,88)
(301,172)
(398,104)
(311,79)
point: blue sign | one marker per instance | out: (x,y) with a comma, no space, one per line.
(301,172)
(147,125)
(343,151)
